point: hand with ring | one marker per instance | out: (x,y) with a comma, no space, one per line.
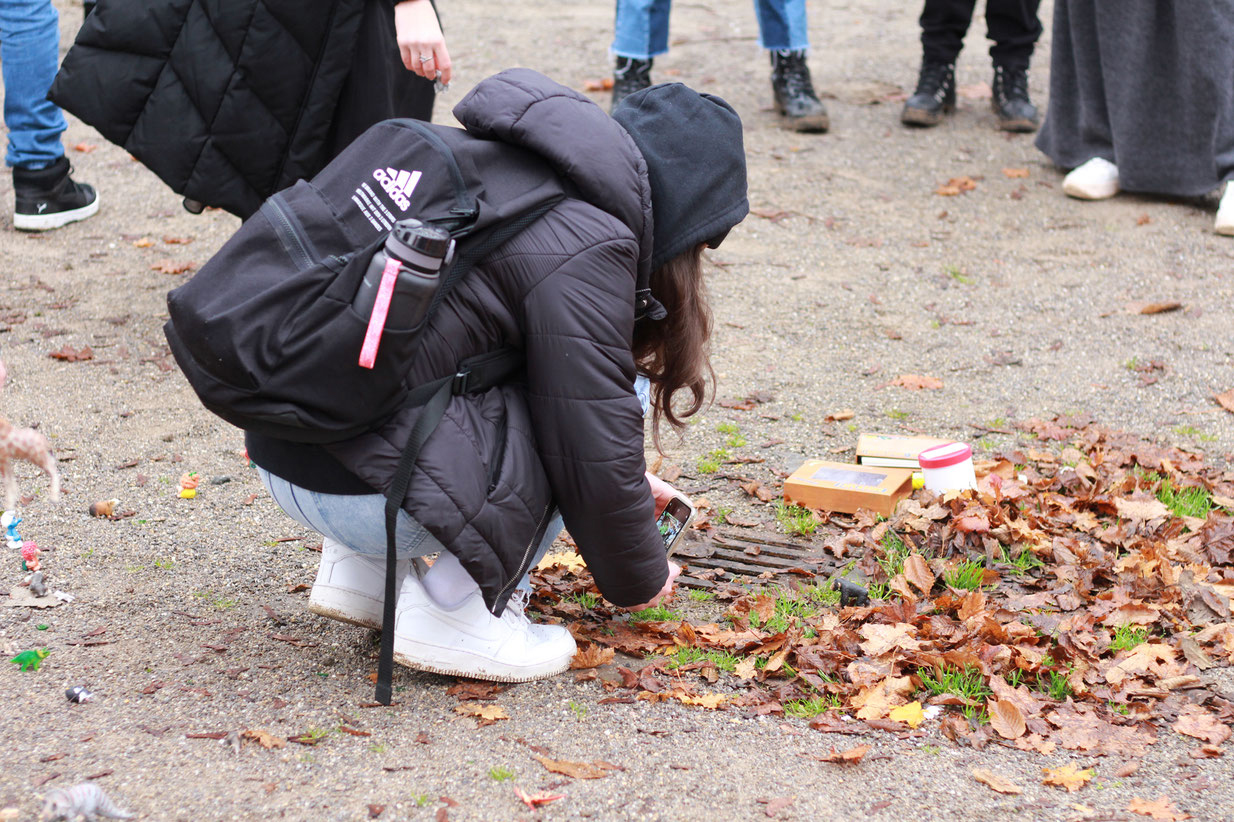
(420,42)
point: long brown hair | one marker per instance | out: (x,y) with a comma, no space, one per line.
(674,352)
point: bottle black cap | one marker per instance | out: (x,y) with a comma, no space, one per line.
(424,239)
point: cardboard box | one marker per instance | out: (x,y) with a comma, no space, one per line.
(840,486)
(893,450)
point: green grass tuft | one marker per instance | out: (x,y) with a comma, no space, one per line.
(811,707)
(1127,637)
(657,614)
(796,520)
(688,655)
(966,575)
(1194,501)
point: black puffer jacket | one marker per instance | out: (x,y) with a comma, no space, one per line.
(229,102)
(564,292)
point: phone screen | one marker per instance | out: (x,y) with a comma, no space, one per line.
(673,522)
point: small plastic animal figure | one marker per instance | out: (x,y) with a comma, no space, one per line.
(188,485)
(86,801)
(30,556)
(37,586)
(24,444)
(10,521)
(78,694)
(31,660)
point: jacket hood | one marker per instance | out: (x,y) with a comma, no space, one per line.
(582,143)
(696,164)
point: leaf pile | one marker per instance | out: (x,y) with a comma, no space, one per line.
(1072,601)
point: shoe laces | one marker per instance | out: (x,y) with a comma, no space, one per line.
(516,607)
(791,70)
(1010,84)
(934,77)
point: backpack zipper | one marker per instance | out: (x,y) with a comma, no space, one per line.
(294,242)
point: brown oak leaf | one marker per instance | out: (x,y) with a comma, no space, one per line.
(1070,776)
(1159,808)
(996,782)
(578,770)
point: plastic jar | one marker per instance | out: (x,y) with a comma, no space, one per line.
(948,467)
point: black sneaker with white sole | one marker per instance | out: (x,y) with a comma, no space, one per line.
(49,198)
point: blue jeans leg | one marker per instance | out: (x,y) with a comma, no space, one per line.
(359,522)
(641,28)
(29,56)
(782,24)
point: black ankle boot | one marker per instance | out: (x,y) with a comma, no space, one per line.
(1010,100)
(934,97)
(629,76)
(794,93)
(48,198)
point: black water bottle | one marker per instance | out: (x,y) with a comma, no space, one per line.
(420,252)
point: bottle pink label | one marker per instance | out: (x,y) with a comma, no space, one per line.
(381,307)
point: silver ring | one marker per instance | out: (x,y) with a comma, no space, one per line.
(425,59)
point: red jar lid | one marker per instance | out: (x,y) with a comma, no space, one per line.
(942,456)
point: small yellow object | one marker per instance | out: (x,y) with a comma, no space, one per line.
(188,493)
(918,480)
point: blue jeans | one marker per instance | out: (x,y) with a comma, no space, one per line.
(641,28)
(29,56)
(359,522)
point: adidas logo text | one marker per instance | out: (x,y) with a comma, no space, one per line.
(399,184)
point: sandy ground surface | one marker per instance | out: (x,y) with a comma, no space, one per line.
(851,272)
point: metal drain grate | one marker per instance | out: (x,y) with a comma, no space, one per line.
(750,555)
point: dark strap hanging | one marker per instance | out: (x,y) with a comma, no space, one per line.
(474,375)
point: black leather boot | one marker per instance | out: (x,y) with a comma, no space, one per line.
(934,97)
(794,93)
(1010,100)
(629,76)
(48,198)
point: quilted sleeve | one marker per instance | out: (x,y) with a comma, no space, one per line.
(588,422)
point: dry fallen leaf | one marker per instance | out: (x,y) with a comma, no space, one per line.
(918,573)
(592,656)
(1159,808)
(483,714)
(850,757)
(1015,173)
(1140,507)
(264,738)
(998,783)
(1069,776)
(568,559)
(910,714)
(68,354)
(1197,722)
(605,84)
(1006,719)
(916,382)
(1226,400)
(955,186)
(172,267)
(144,242)
(1152,308)
(84,148)
(577,770)
(840,416)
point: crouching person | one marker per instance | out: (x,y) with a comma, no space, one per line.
(606,286)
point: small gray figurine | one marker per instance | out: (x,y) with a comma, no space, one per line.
(79,694)
(85,801)
(37,586)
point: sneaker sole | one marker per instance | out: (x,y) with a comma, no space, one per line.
(46,222)
(336,613)
(1087,194)
(459,667)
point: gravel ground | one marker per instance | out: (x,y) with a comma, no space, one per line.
(851,272)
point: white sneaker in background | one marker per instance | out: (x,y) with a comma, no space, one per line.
(350,586)
(1095,180)
(1225,211)
(469,641)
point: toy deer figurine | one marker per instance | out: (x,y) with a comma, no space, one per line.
(23,444)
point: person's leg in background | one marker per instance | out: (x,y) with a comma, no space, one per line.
(46,195)
(943,26)
(640,34)
(1014,27)
(783,32)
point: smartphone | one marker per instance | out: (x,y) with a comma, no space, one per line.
(672,523)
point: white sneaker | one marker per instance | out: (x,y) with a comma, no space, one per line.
(1095,180)
(469,641)
(1225,211)
(351,586)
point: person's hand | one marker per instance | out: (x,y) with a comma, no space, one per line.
(674,570)
(661,491)
(420,42)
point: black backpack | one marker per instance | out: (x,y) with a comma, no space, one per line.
(266,334)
